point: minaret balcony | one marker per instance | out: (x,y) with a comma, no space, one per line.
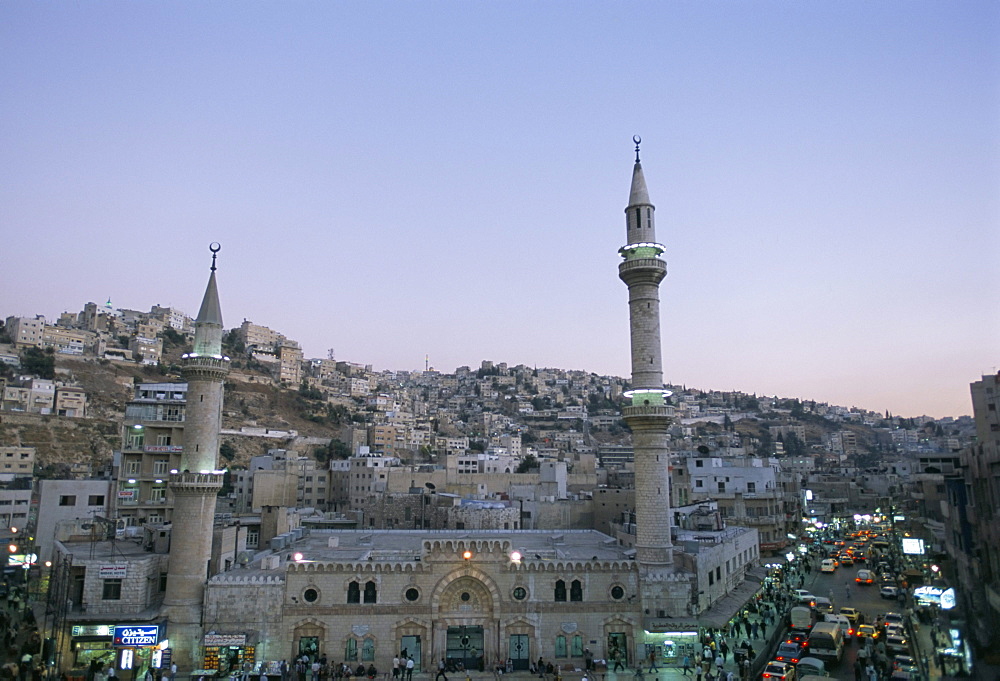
(638,269)
(207,366)
(646,410)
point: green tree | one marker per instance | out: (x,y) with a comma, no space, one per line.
(527,464)
(38,362)
(335,449)
(227,451)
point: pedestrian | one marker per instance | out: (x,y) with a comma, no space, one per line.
(724,649)
(719,662)
(686,664)
(395,666)
(410,664)
(847,592)
(755,628)
(652,661)
(441,674)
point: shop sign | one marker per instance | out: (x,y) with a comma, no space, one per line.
(115,571)
(163,448)
(91,630)
(220,640)
(137,635)
(126,494)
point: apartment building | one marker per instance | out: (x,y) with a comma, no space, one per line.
(16,462)
(25,332)
(152,442)
(70,401)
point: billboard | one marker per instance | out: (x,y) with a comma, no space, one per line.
(913,546)
(136,635)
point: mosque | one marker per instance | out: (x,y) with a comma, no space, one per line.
(478,597)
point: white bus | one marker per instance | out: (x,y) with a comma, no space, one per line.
(826,640)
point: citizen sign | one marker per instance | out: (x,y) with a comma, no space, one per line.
(136,635)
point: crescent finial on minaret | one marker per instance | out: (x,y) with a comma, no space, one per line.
(215,246)
(638,141)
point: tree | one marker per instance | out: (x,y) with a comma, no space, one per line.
(527,464)
(38,362)
(335,449)
(477,446)
(227,451)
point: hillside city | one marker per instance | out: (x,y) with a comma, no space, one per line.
(93,408)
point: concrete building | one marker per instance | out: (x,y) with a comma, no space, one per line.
(16,462)
(152,444)
(25,332)
(71,401)
(76,502)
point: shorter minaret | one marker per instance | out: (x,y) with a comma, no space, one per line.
(198,482)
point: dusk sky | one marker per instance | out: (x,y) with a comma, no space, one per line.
(395,179)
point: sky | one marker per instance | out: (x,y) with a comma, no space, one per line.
(396,180)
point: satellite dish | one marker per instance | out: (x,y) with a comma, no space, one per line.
(244,557)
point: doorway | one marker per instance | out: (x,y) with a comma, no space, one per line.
(465,645)
(519,652)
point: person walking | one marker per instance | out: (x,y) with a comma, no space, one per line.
(410,664)
(719,662)
(755,628)
(441,674)
(652,661)
(395,667)
(686,665)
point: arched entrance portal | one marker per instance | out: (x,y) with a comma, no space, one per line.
(465,629)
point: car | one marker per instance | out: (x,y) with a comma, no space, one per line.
(889,591)
(897,645)
(779,671)
(822,605)
(799,637)
(789,652)
(867,631)
(851,614)
(810,666)
(895,630)
(803,596)
(828,565)
(845,559)
(865,577)
(905,663)
(894,618)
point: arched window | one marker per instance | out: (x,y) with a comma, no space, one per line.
(368,649)
(351,650)
(370,593)
(560,591)
(353,593)
(576,590)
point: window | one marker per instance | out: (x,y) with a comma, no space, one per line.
(576,590)
(157,494)
(617,592)
(132,467)
(353,596)
(163,440)
(95,500)
(112,590)
(67,500)
(163,582)
(368,649)
(161,466)
(560,591)
(560,646)
(751,487)
(370,593)
(310,595)
(519,593)
(351,650)
(412,594)
(576,649)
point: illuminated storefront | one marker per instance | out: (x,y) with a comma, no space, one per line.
(225,653)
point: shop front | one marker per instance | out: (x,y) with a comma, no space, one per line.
(669,644)
(229,654)
(137,647)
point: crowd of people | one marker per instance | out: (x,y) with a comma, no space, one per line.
(22,644)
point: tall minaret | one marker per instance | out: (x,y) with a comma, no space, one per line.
(198,482)
(649,415)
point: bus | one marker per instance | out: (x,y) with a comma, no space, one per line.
(826,640)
